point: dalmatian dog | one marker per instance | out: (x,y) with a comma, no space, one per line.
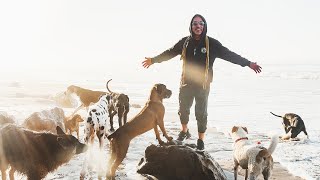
(97,121)
(96,124)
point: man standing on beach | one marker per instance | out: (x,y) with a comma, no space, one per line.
(198,52)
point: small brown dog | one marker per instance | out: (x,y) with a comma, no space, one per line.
(150,117)
(255,159)
(72,123)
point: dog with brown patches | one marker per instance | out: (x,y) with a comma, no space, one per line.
(35,154)
(46,120)
(150,117)
(86,96)
(254,159)
(72,124)
(293,125)
(118,104)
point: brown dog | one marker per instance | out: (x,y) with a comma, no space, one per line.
(118,104)
(72,123)
(150,117)
(35,154)
(87,97)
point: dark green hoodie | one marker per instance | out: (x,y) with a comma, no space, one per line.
(196,53)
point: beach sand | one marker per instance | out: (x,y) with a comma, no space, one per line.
(279,172)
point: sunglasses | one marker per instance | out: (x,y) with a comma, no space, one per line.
(196,23)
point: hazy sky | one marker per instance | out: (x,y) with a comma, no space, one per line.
(78,34)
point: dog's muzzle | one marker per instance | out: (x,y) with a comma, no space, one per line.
(168,93)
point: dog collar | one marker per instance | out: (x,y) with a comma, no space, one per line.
(241,139)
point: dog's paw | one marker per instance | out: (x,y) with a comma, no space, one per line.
(294,139)
(169,138)
(109,177)
(82,176)
(161,142)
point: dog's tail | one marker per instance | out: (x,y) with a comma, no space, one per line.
(108,86)
(273,144)
(276,115)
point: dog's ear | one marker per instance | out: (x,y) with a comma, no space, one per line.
(59,131)
(127,97)
(234,129)
(245,129)
(159,88)
(101,96)
(80,119)
(156,87)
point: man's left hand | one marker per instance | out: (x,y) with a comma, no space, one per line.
(255,67)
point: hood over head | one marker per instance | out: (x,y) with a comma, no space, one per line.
(204,32)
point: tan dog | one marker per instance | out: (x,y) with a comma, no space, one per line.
(150,117)
(72,123)
(87,96)
(252,158)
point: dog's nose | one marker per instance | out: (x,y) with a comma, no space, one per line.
(169,93)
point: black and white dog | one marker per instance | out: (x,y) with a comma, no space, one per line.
(293,125)
(97,120)
(118,104)
(96,123)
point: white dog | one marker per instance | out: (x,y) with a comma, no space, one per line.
(252,158)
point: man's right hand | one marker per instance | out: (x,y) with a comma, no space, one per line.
(255,67)
(146,63)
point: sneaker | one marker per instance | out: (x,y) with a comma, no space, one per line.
(200,144)
(183,135)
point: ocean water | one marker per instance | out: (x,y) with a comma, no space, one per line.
(238,97)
